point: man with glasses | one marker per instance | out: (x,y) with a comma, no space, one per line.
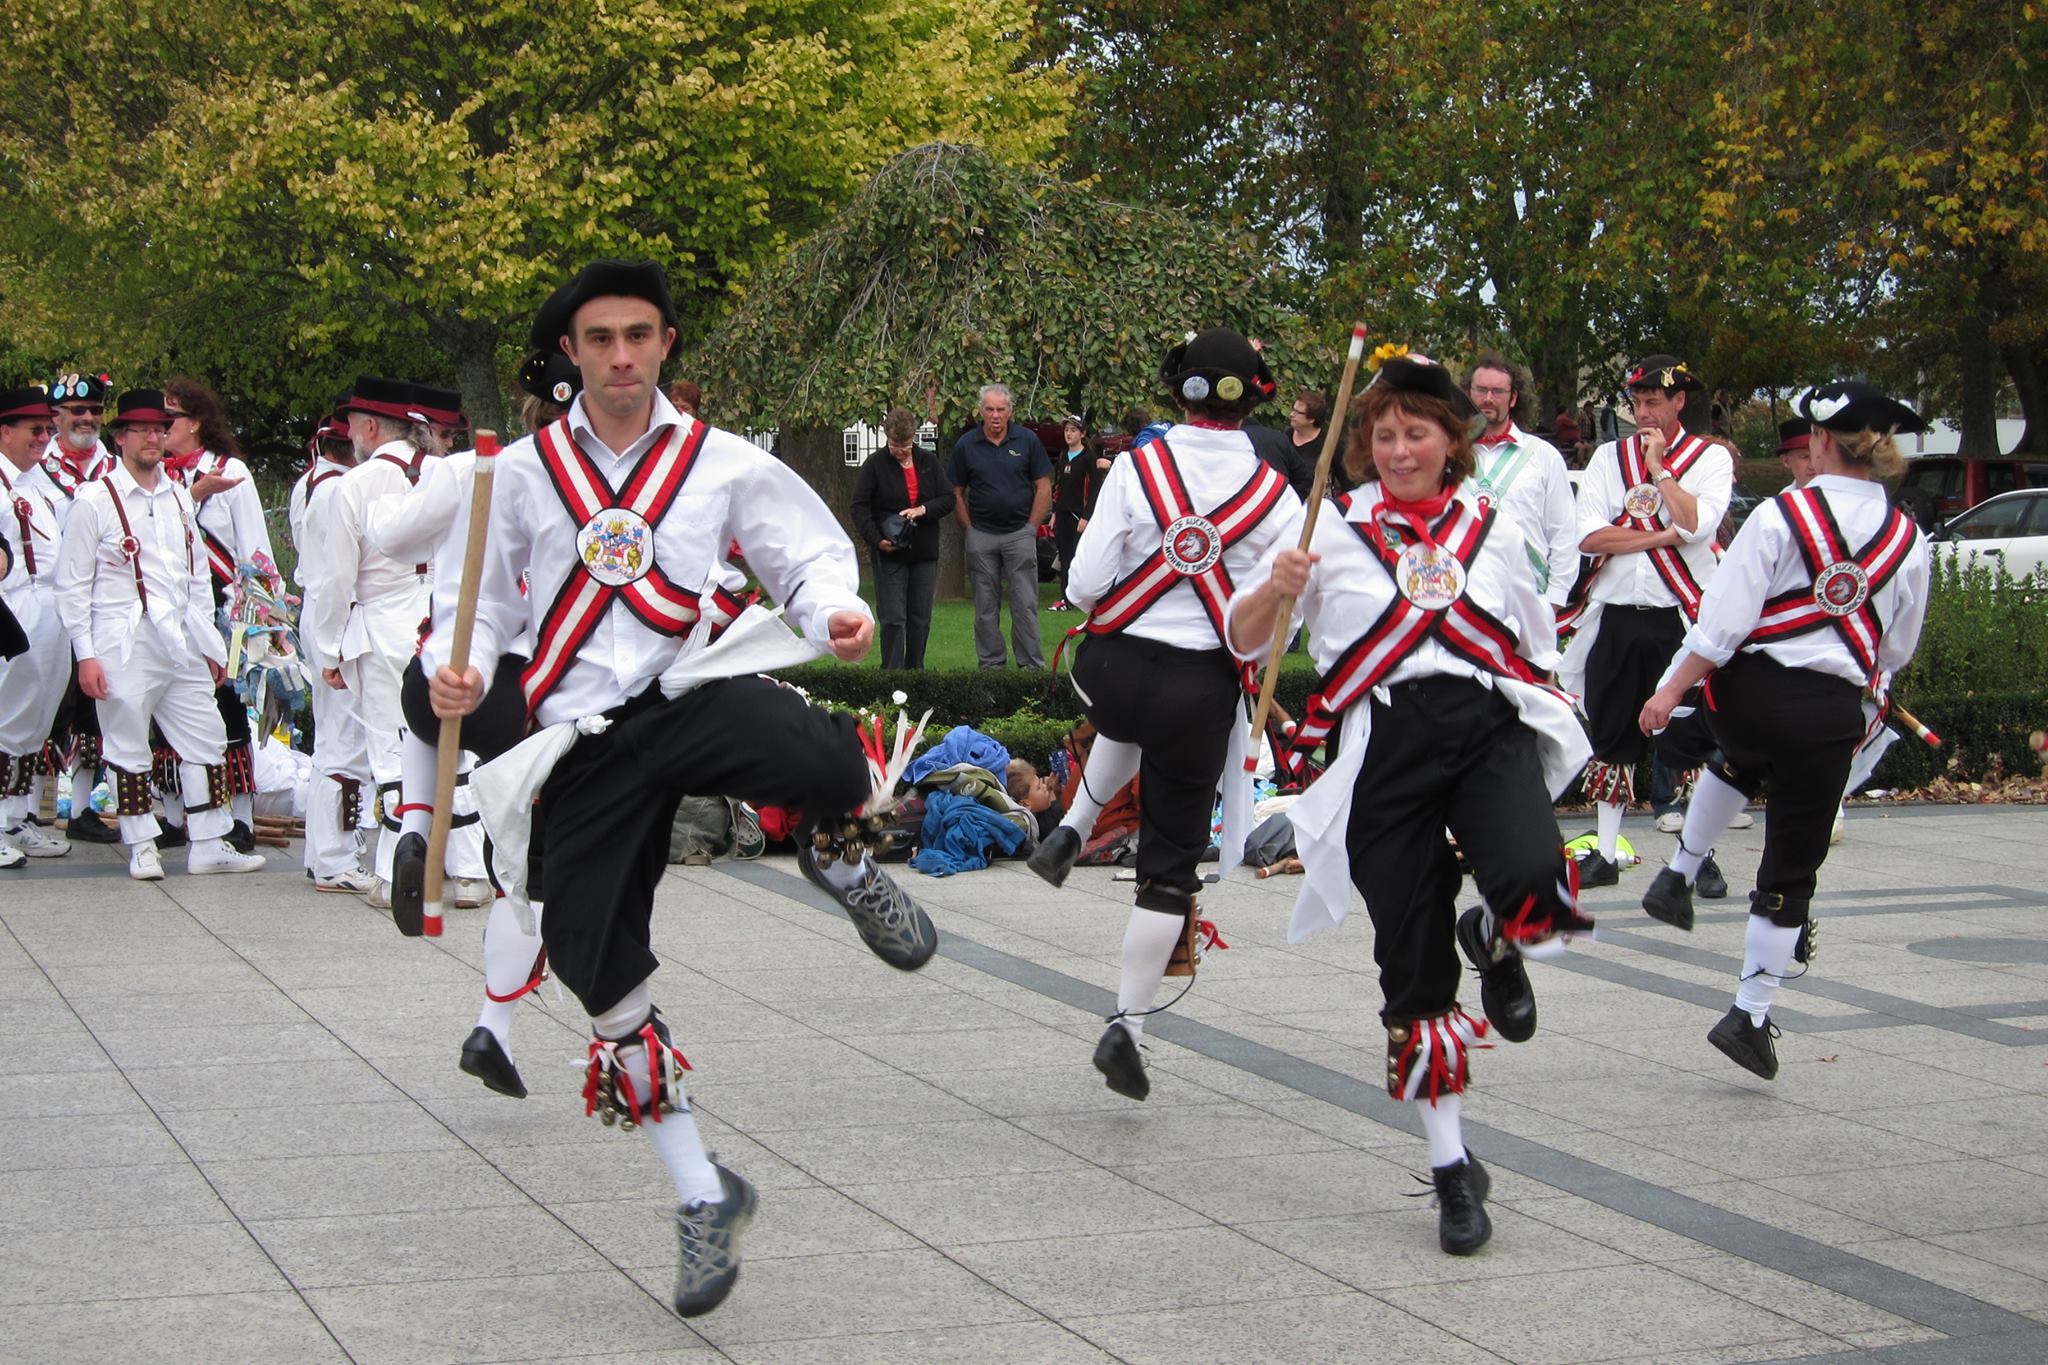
(1525,474)
(75,456)
(131,587)
(32,684)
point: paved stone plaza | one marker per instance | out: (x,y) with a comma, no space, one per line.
(233,1129)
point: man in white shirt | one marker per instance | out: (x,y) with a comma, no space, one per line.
(31,684)
(1525,474)
(132,589)
(1648,509)
(621,514)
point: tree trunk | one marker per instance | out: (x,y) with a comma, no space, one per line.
(1978,359)
(473,347)
(2029,370)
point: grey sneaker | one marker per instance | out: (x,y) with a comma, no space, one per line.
(708,1235)
(893,925)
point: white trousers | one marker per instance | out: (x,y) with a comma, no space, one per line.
(334,842)
(382,637)
(178,694)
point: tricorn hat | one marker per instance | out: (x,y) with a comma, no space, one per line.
(1666,372)
(140,405)
(1217,362)
(16,404)
(600,279)
(551,377)
(1851,405)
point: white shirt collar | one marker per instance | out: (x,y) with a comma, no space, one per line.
(665,414)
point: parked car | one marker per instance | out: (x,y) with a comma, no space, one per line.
(1936,488)
(2010,529)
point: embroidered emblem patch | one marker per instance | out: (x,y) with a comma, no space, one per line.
(1643,501)
(617,546)
(1841,588)
(1430,576)
(1192,546)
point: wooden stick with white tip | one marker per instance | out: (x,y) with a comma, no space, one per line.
(449,754)
(1308,531)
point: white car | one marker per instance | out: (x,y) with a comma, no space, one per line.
(2010,530)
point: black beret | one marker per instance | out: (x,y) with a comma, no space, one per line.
(1420,374)
(600,279)
(1850,405)
(551,377)
(1217,362)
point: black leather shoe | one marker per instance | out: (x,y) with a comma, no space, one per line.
(1596,870)
(1055,857)
(1710,885)
(1745,1044)
(409,885)
(1462,1226)
(1116,1057)
(1504,989)
(169,835)
(1669,899)
(88,827)
(483,1057)
(241,838)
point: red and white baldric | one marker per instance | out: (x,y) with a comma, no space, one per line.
(1642,504)
(1843,593)
(615,549)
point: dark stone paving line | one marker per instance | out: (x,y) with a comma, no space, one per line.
(1989,1331)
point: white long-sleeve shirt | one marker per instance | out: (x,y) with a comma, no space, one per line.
(1632,579)
(350,570)
(21,492)
(1122,533)
(96,589)
(1527,475)
(735,493)
(234,517)
(1764,560)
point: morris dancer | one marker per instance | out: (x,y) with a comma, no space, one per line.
(132,589)
(1822,593)
(1425,621)
(621,513)
(1648,510)
(74,458)
(32,684)
(1175,527)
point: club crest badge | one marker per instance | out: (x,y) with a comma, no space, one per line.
(1430,576)
(616,546)
(130,547)
(1643,502)
(1841,588)
(1192,546)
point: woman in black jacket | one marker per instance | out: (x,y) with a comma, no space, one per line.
(900,500)
(1077,480)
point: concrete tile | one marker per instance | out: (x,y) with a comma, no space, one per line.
(803,1221)
(1009,1208)
(344,1081)
(2012,1125)
(918,1151)
(1039,1343)
(535,1315)
(2013,1290)
(807,1297)
(829,1102)
(1519,1318)
(1335,1121)
(113,1196)
(124,982)
(220,1329)
(43,1144)
(1392,1247)
(1255,1189)
(72,1265)
(401,1248)
(1810,1305)
(320,1130)
(57,1094)
(1921,1201)
(1773,1206)
(1789,1145)
(59,1042)
(221,1045)
(1138,1133)
(924,1054)
(190,1009)
(766,1060)
(627,1166)
(895,1011)
(1323,1330)
(2024,1249)
(333,1185)
(1597,1223)
(1133,1272)
(1075,1088)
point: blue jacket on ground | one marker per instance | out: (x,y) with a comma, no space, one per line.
(959,834)
(961,745)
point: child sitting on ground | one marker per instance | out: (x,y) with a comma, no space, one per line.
(1029,789)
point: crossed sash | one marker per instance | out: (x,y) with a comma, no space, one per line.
(585,597)
(1191,544)
(1843,593)
(1669,563)
(1461,626)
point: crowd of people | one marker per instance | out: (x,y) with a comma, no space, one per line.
(1469,671)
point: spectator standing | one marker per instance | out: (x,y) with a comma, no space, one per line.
(1305,422)
(900,499)
(1081,472)
(1003,484)
(1525,474)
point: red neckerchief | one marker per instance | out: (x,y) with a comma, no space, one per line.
(1414,517)
(1506,437)
(180,467)
(1207,425)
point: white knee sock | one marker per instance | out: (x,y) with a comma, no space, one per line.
(1110,767)
(1714,803)
(509,955)
(1766,961)
(242,807)
(1148,947)
(1440,1123)
(1610,829)
(675,1137)
(418,764)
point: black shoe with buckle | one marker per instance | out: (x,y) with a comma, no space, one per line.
(1710,885)
(1462,1226)
(88,827)
(1669,900)
(1055,857)
(409,885)
(1504,989)
(1747,1044)
(484,1057)
(707,1235)
(1123,1070)
(1598,870)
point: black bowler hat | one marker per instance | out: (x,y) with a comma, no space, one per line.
(394,399)
(1850,405)
(1217,362)
(551,377)
(1665,372)
(600,279)
(1794,433)
(79,388)
(140,405)
(1419,374)
(20,404)
(443,407)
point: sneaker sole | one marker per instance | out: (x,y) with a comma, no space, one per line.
(409,886)
(221,871)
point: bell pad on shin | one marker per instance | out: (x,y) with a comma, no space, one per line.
(609,1094)
(1427,1057)
(131,792)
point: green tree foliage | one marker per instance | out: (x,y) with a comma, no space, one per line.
(278,194)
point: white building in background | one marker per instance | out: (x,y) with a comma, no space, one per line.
(857,442)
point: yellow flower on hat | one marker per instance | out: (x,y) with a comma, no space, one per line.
(1382,353)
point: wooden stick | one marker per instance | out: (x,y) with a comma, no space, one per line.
(1308,531)
(449,756)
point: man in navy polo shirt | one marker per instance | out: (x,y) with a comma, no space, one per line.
(1007,479)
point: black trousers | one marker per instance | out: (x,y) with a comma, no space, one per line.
(1791,732)
(1177,705)
(1446,753)
(1633,648)
(1066,535)
(498,723)
(606,810)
